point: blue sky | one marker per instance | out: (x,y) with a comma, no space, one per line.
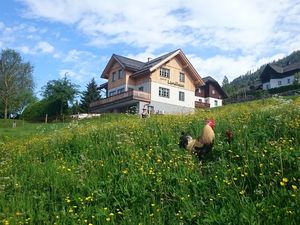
(77,38)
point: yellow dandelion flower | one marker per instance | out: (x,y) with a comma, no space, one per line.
(285,180)
(107,219)
(281,183)
(294,187)
(242,192)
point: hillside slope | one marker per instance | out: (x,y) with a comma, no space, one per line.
(245,81)
(120,169)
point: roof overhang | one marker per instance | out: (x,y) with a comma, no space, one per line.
(112,60)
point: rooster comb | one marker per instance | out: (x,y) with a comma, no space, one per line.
(211,123)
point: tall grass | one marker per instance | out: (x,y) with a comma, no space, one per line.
(120,169)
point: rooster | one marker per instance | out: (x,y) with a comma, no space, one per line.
(203,144)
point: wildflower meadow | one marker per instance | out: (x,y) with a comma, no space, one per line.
(122,169)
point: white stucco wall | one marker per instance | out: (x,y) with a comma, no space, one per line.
(212,101)
(187,105)
(274,82)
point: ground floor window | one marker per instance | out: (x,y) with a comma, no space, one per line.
(164,92)
(216,103)
(181,96)
(120,90)
(112,93)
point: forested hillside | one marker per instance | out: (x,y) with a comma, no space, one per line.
(244,82)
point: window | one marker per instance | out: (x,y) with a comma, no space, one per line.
(213,92)
(267,86)
(199,90)
(112,93)
(216,103)
(164,72)
(120,90)
(181,96)
(289,81)
(279,82)
(164,92)
(141,88)
(120,73)
(130,89)
(113,78)
(181,77)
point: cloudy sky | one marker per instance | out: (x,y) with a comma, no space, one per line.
(77,38)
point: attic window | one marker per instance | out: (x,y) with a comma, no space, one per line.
(120,73)
(181,77)
(213,92)
(165,72)
(113,78)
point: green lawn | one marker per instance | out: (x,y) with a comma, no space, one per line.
(121,169)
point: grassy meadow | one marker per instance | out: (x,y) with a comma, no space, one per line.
(121,169)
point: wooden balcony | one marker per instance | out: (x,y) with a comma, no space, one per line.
(201,104)
(122,98)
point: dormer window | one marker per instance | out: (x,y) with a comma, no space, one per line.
(213,92)
(164,72)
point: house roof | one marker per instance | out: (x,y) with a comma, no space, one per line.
(128,63)
(273,71)
(148,65)
(140,68)
(215,83)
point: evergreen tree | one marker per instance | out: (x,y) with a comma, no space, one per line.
(226,86)
(90,95)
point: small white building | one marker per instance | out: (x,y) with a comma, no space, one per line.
(274,76)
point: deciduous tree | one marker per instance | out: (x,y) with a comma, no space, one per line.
(16,83)
(62,91)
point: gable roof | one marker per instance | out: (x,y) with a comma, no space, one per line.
(128,63)
(140,68)
(210,80)
(148,65)
(272,71)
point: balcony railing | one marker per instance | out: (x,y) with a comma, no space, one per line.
(201,104)
(122,97)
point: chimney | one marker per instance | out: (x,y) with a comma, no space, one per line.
(149,59)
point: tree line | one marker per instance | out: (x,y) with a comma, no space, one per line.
(58,96)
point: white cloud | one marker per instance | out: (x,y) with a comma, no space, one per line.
(80,66)
(241,34)
(44,47)
(228,25)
